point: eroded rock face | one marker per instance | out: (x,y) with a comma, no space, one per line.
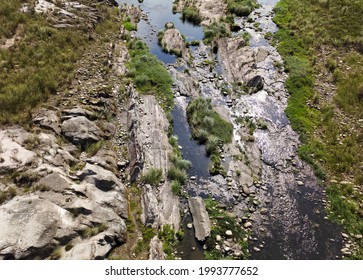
(200,216)
(150,205)
(151,148)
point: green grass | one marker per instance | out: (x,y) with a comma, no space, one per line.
(332,146)
(152,177)
(215,31)
(241,7)
(150,75)
(92,231)
(170,240)
(209,128)
(191,14)
(203,118)
(129,26)
(41,64)
(144,244)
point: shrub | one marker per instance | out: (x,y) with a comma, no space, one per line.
(212,145)
(200,113)
(176,187)
(130,26)
(152,177)
(191,14)
(215,31)
(179,175)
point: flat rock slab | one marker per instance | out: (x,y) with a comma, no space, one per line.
(201,222)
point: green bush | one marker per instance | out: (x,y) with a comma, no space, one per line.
(130,26)
(176,187)
(191,14)
(215,31)
(152,177)
(176,174)
(201,109)
(241,7)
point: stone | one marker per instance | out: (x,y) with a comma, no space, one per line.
(189,225)
(30,227)
(103,179)
(169,207)
(218,238)
(229,233)
(256,249)
(81,131)
(47,119)
(173,41)
(200,216)
(346,251)
(150,209)
(263,211)
(55,182)
(344,235)
(156,249)
(300,183)
(358,236)
(13,154)
(256,84)
(246,190)
(247,225)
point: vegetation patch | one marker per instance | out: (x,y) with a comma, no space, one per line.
(191,14)
(241,7)
(150,75)
(325,37)
(170,240)
(209,128)
(152,177)
(215,30)
(43,60)
(222,222)
(92,231)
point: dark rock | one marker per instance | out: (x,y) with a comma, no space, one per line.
(256,84)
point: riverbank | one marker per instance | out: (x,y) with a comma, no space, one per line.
(325,107)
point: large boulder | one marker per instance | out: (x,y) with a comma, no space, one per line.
(81,131)
(173,42)
(200,216)
(30,227)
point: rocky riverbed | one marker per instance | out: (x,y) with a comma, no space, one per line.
(68,177)
(267,185)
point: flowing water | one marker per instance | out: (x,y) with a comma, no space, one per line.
(295,226)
